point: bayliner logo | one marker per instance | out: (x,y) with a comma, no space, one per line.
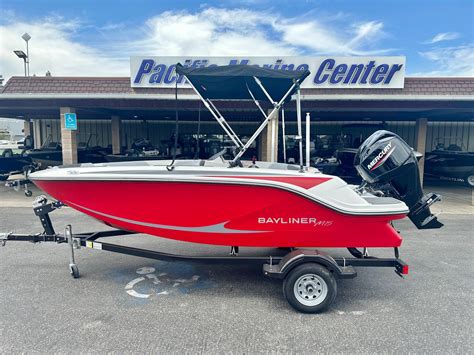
(381,157)
(294,220)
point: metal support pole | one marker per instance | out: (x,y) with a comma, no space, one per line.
(299,137)
(264,123)
(221,120)
(272,132)
(28,58)
(283,132)
(265,91)
(308,140)
(68,233)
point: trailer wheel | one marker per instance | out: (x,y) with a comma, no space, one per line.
(469,180)
(310,288)
(74,270)
(7,153)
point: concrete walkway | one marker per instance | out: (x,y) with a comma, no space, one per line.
(456,198)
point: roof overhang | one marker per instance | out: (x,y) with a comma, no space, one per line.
(159,106)
(305,97)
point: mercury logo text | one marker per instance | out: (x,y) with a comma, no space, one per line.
(381,157)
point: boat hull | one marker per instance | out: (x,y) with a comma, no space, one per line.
(223,214)
(13,164)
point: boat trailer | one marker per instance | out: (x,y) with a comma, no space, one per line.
(309,275)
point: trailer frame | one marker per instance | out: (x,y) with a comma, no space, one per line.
(274,266)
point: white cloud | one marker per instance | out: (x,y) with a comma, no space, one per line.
(216,31)
(210,32)
(53,47)
(444,36)
(451,61)
(55,44)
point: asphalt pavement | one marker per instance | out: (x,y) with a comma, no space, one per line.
(127,304)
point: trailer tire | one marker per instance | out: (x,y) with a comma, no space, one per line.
(469,179)
(74,270)
(7,153)
(310,288)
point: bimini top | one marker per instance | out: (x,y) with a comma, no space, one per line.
(237,82)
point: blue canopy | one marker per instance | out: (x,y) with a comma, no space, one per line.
(233,82)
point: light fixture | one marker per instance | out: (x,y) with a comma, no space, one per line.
(21,55)
(26,37)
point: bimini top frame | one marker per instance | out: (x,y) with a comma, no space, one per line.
(246,83)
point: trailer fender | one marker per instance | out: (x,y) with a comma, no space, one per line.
(301,256)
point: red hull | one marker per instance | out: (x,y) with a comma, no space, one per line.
(223,214)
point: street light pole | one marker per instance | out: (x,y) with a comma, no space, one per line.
(28,59)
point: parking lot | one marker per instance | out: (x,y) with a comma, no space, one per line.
(130,304)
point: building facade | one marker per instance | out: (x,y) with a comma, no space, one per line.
(114,111)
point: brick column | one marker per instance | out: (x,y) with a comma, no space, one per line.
(116,124)
(68,139)
(36,133)
(420,143)
(27,129)
(265,141)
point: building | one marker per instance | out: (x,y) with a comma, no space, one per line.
(425,111)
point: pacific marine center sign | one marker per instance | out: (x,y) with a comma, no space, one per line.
(326,72)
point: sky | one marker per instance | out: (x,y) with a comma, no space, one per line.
(97,37)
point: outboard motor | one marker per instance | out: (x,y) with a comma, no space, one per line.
(387,160)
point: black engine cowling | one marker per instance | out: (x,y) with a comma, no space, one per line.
(384,159)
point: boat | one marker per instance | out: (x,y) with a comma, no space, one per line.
(341,164)
(13,158)
(141,149)
(450,163)
(250,203)
(12,164)
(50,154)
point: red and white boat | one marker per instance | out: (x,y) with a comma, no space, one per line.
(254,204)
(213,204)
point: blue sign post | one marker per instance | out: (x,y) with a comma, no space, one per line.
(70,121)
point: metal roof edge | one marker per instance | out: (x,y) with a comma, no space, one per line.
(332,97)
(378,97)
(93,96)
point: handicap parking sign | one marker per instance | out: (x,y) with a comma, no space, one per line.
(70,120)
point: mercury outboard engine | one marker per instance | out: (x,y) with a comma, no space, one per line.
(385,161)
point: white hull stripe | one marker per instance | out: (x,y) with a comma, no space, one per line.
(213,228)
